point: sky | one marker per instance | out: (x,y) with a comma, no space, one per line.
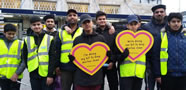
(175,5)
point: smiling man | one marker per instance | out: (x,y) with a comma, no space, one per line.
(64,42)
(39,56)
(111,71)
(50,25)
(172,54)
(11,64)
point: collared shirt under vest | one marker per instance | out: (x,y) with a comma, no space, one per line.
(38,56)
(67,43)
(133,69)
(10,58)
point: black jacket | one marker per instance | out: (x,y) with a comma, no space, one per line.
(153,63)
(110,41)
(52,60)
(81,78)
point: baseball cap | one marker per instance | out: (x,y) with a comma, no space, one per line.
(132,18)
(85,17)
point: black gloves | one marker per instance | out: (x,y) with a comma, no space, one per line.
(124,54)
(71,57)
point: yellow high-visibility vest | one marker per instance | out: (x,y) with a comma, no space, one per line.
(164,53)
(133,69)
(38,57)
(67,43)
(10,58)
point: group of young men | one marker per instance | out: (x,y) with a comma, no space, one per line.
(45,53)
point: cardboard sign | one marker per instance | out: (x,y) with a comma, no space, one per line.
(90,58)
(138,43)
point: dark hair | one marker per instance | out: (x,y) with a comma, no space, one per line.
(100,13)
(71,10)
(34,19)
(174,15)
(9,27)
(50,16)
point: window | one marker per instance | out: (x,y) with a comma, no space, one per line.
(78,7)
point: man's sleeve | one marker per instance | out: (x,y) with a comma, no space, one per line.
(52,60)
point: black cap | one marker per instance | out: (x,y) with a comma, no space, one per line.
(85,17)
(50,16)
(132,18)
(158,6)
(71,10)
(34,19)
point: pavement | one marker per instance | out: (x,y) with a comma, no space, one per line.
(26,81)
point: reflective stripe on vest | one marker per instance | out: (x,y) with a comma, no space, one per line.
(10,58)
(67,43)
(163,53)
(38,57)
(130,69)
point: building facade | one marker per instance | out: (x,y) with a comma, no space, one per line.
(115,7)
(141,7)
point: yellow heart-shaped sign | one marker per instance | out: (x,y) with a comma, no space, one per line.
(90,58)
(138,43)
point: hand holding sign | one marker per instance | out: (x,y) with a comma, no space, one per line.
(90,58)
(138,43)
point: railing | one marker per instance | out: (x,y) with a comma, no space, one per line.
(45,5)
(10,3)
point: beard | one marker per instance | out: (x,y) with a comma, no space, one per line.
(50,28)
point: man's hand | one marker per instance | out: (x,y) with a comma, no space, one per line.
(49,81)
(14,77)
(68,29)
(158,80)
(110,65)
(111,30)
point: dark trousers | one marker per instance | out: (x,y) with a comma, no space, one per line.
(40,84)
(150,82)
(112,78)
(173,83)
(7,84)
(130,83)
(67,79)
(96,87)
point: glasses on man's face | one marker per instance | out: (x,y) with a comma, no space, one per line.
(159,12)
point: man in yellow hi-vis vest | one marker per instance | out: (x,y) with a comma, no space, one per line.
(172,54)
(39,55)
(11,64)
(64,43)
